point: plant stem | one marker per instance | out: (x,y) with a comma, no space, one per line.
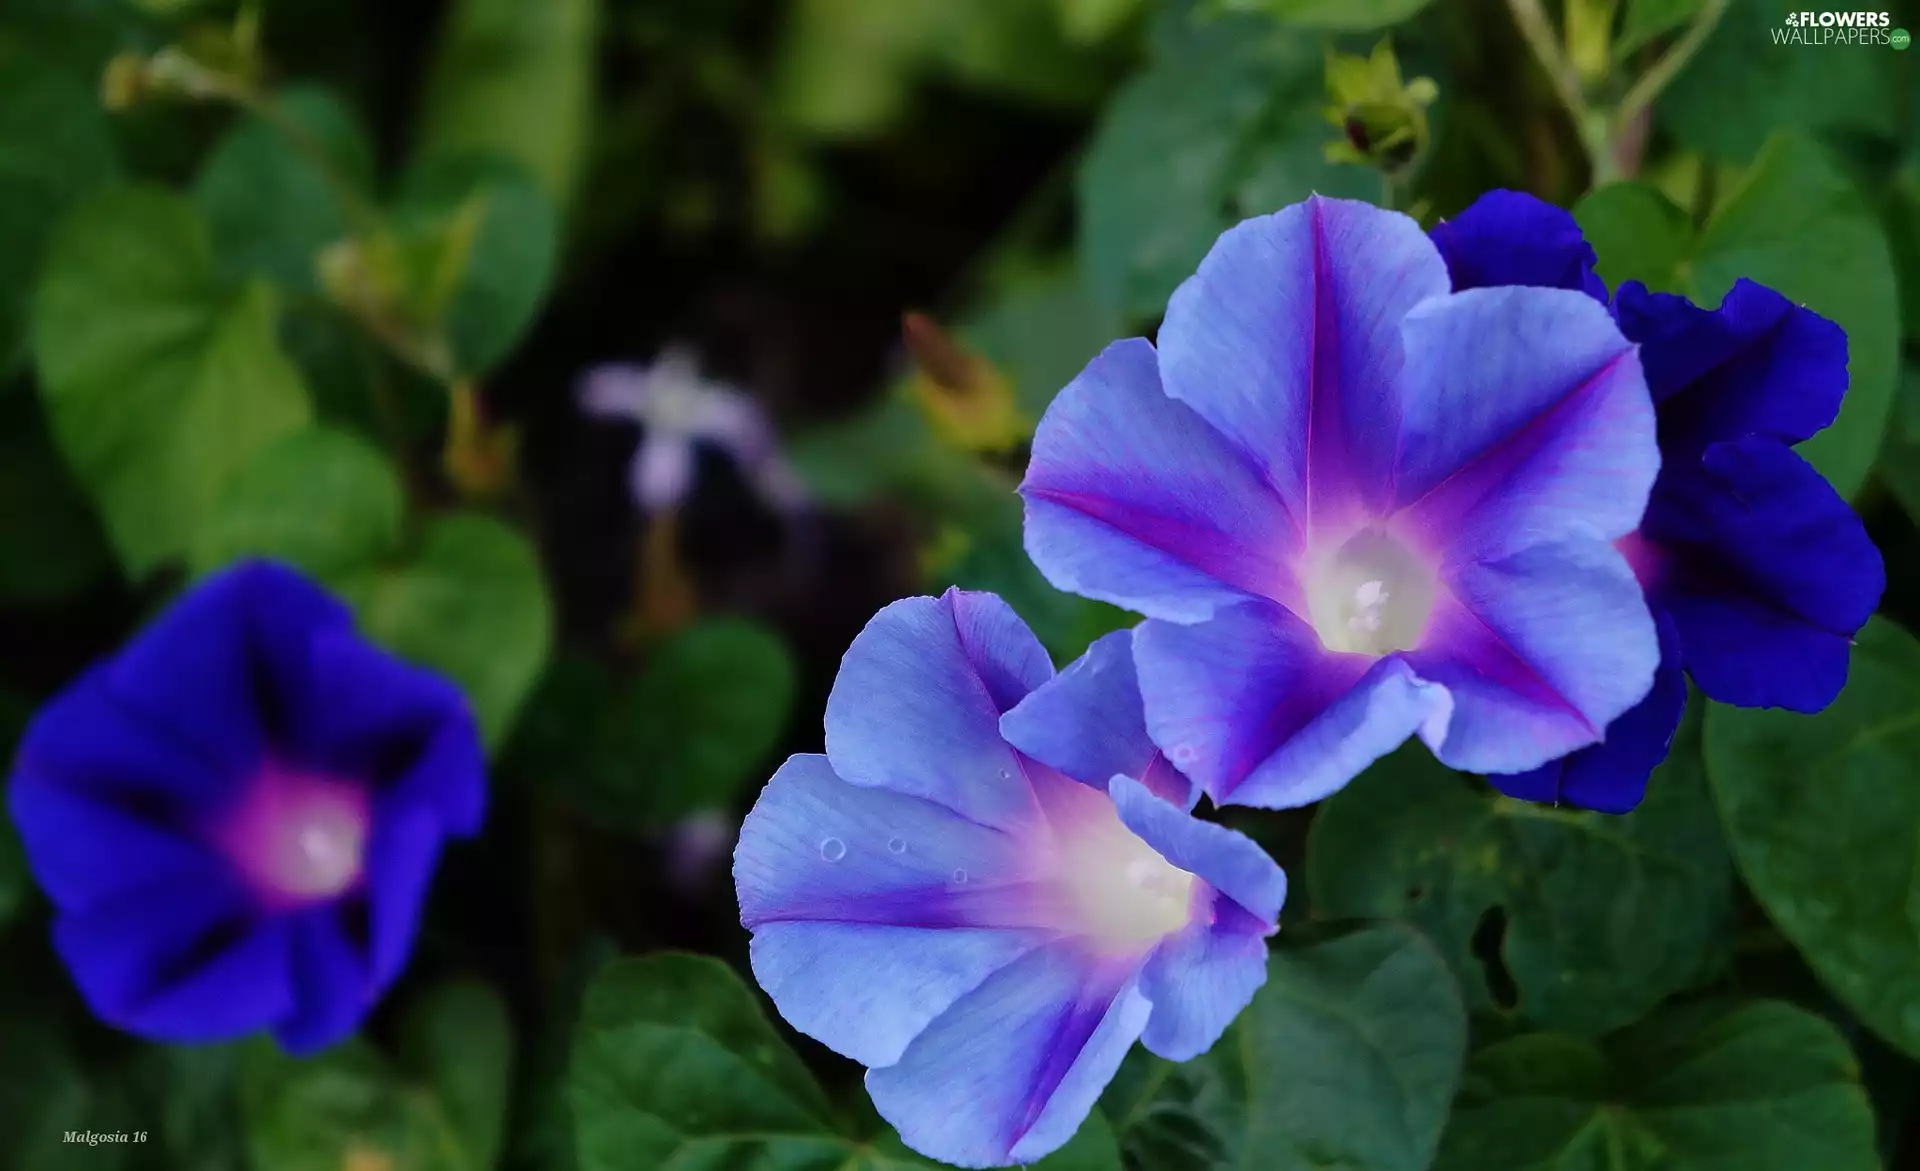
(1648,87)
(1531,19)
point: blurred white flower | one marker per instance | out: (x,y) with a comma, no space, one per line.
(677,407)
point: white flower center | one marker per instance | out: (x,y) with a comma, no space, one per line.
(1125,894)
(1373,596)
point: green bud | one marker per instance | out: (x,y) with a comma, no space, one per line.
(1383,117)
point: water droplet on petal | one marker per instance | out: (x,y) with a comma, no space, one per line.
(897,846)
(833,849)
(1005,775)
(960,875)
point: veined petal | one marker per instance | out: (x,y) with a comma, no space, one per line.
(1512,238)
(1229,861)
(1759,365)
(1767,574)
(1087,722)
(1198,981)
(916,707)
(86,852)
(1540,652)
(330,989)
(1133,499)
(1524,419)
(1611,776)
(1258,713)
(1008,1073)
(1287,340)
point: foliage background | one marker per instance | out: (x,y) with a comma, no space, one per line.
(317,278)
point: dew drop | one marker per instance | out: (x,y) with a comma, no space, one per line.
(1005,775)
(897,845)
(833,849)
(960,875)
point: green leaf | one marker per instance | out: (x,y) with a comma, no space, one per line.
(1899,463)
(1799,793)
(1348,1057)
(1224,124)
(1598,918)
(160,382)
(1638,234)
(55,146)
(43,1095)
(1338,15)
(515,80)
(1758,1087)
(1040,329)
(458,1041)
(1799,226)
(1088,21)
(341,1109)
(274,193)
(1741,86)
(468,601)
(324,501)
(1648,19)
(673,1059)
(16,883)
(188,1096)
(498,241)
(51,546)
(698,724)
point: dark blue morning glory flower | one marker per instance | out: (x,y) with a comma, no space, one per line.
(236,817)
(1357,506)
(990,886)
(1757,572)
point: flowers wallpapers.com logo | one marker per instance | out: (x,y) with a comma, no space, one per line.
(1840,28)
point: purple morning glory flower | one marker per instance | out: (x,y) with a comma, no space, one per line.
(1356,505)
(236,817)
(1758,573)
(677,409)
(974,895)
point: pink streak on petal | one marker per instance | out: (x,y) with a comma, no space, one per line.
(297,837)
(1644,557)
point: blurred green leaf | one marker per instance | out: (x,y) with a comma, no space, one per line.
(846,67)
(1087,21)
(1799,226)
(1603,916)
(710,705)
(324,501)
(1224,124)
(1648,19)
(1348,1057)
(1741,86)
(1899,464)
(160,381)
(495,239)
(673,1055)
(187,1097)
(51,545)
(1758,1087)
(1823,814)
(458,1041)
(1638,234)
(1041,329)
(340,1110)
(273,192)
(1338,15)
(469,600)
(43,1096)
(516,80)
(15,881)
(75,37)
(55,146)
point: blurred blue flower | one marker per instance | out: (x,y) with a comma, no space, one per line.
(963,895)
(236,817)
(677,409)
(1758,573)
(1355,506)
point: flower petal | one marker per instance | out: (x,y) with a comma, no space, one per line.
(1230,862)
(1011,1070)
(1759,365)
(1133,499)
(1512,238)
(86,852)
(1524,418)
(1540,653)
(182,961)
(400,860)
(1611,776)
(331,993)
(1287,340)
(661,472)
(87,740)
(1199,981)
(916,707)
(1257,712)
(1087,722)
(1767,573)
